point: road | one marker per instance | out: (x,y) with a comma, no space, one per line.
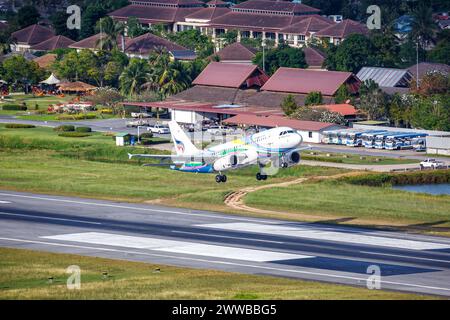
(202,239)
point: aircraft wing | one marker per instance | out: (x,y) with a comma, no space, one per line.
(301,148)
(175,158)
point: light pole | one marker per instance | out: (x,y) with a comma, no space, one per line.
(138,134)
(417,63)
(263,44)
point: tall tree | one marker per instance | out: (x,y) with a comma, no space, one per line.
(282,56)
(111,31)
(423,26)
(373,101)
(134,28)
(289,105)
(133,77)
(313,98)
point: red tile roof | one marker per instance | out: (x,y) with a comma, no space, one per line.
(425,67)
(278,121)
(154,14)
(142,45)
(237,52)
(308,24)
(295,80)
(53,43)
(314,57)
(46,60)
(231,75)
(343,29)
(344,109)
(171,2)
(280,6)
(208,13)
(33,34)
(92,42)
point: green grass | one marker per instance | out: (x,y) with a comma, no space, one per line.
(342,200)
(24,275)
(354,159)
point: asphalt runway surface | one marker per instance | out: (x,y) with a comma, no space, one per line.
(209,240)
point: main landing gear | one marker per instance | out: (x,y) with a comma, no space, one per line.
(221,178)
(260,176)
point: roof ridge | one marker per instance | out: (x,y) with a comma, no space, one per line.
(31,32)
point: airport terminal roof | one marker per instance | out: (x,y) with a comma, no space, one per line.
(33,34)
(236,52)
(386,77)
(231,75)
(343,29)
(146,43)
(56,42)
(294,80)
(278,121)
(308,24)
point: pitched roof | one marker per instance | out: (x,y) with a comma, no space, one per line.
(53,43)
(343,29)
(314,57)
(33,34)
(146,43)
(46,60)
(278,121)
(425,67)
(305,81)
(344,109)
(307,25)
(154,14)
(386,77)
(231,75)
(236,52)
(92,42)
(208,13)
(280,6)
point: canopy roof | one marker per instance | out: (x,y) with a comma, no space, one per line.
(75,86)
(51,80)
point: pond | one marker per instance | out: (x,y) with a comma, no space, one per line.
(436,189)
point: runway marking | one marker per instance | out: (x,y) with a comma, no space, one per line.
(226,237)
(134,208)
(338,236)
(4,202)
(47,218)
(228,263)
(184,247)
(403,256)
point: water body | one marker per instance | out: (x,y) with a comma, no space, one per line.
(436,189)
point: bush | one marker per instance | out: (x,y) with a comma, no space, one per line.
(64,128)
(146,135)
(74,134)
(14,107)
(83,129)
(106,111)
(80,116)
(19,126)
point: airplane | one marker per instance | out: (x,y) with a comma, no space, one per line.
(279,145)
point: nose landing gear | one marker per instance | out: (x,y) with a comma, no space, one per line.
(260,176)
(221,178)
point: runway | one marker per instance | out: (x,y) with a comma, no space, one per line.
(202,239)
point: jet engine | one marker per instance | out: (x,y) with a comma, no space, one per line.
(236,160)
(290,159)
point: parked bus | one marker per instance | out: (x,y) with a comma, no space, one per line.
(354,138)
(380,139)
(405,140)
(368,138)
(419,144)
(330,137)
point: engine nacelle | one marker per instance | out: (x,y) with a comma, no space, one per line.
(290,159)
(236,160)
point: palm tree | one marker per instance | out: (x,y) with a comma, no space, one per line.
(423,26)
(133,77)
(110,31)
(174,79)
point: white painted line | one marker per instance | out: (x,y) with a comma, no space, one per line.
(5,202)
(358,280)
(226,237)
(403,256)
(134,208)
(183,247)
(47,218)
(347,237)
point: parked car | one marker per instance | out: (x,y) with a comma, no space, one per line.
(136,123)
(142,115)
(219,130)
(432,164)
(159,128)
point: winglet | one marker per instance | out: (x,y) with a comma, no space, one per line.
(130,156)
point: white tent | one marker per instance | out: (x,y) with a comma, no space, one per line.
(51,80)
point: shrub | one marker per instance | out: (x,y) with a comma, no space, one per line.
(74,134)
(146,135)
(14,107)
(64,128)
(106,111)
(19,126)
(80,116)
(83,129)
